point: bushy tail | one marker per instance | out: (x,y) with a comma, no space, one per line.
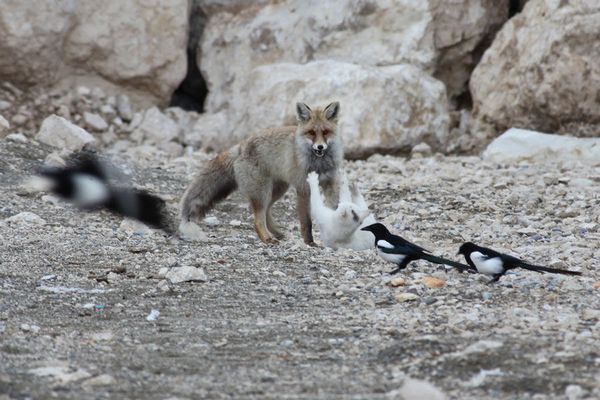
(540,269)
(440,260)
(214,182)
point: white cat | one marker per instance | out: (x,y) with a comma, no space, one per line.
(340,227)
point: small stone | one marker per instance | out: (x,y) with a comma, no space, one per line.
(414,389)
(163,272)
(153,316)
(395,282)
(50,277)
(54,160)
(17,138)
(4,125)
(94,122)
(58,132)
(156,128)
(83,91)
(429,300)
(235,222)
(286,343)
(403,297)
(279,273)
(133,227)
(211,221)
(192,232)
(100,380)
(108,110)
(486,295)
(350,274)
(19,119)
(4,105)
(434,283)
(186,274)
(163,286)
(574,392)
(25,218)
(596,285)
(124,107)
(63,111)
(422,149)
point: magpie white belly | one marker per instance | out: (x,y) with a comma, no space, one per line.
(485,265)
(394,258)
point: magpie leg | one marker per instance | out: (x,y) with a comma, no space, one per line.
(395,271)
(401,266)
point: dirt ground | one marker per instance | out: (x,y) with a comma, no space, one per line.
(293,322)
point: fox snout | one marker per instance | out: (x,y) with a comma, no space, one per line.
(319,149)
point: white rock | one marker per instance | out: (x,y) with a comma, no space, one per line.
(131,226)
(54,160)
(411,107)
(153,315)
(61,373)
(522,145)
(209,132)
(156,128)
(4,105)
(17,137)
(186,274)
(100,380)
(480,346)
(94,122)
(574,392)
(25,218)
(4,126)
(539,70)
(124,107)
(211,221)
(416,389)
(58,132)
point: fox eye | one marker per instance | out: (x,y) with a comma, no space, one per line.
(325,133)
(310,133)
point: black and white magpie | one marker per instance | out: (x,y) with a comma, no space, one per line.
(490,262)
(85,182)
(396,249)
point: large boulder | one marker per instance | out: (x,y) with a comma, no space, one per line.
(542,71)
(517,145)
(63,134)
(366,33)
(139,45)
(384,109)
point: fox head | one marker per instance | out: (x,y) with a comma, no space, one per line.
(317,128)
(348,218)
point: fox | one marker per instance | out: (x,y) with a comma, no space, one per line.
(264,166)
(339,227)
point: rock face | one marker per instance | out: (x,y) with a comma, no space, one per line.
(539,71)
(438,39)
(385,109)
(58,132)
(522,145)
(138,45)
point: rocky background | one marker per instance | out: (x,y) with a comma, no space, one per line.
(92,306)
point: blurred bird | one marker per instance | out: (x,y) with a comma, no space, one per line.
(490,262)
(395,249)
(85,182)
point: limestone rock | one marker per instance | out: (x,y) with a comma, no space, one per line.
(538,73)
(208,133)
(434,283)
(94,121)
(156,128)
(186,274)
(4,126)
(417,389)
(69,41)
(522,145)
(404,106)
(25,218)
(58,132)
(407,296)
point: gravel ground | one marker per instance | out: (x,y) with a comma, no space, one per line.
(292,322)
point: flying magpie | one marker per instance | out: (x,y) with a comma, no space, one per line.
(85,182)
(400,251)
(490,262)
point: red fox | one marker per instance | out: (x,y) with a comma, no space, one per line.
(263,167)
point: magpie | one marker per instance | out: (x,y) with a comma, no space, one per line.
(85,181)
(396,249)
(490,262)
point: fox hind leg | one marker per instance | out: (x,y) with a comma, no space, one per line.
(279,189)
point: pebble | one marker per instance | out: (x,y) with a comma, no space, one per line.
(153,316)
(486,295)
(407,296)
(235,222)
(574,392)
(186,274)
(124,107)
(434,283)
(19,119)
(596,285)
(26,218)
(429,300)
(395,282)
(95,122)
(17,138)
(212,221)
(4,105)
(100,380)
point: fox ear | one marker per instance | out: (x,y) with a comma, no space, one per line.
(303,112)
(332,111)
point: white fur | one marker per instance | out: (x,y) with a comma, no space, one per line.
(89,190)
(338,227)
(485,265)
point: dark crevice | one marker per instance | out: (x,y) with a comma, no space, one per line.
(192,91)
(515,7)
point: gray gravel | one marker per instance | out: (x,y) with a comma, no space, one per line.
(78,290)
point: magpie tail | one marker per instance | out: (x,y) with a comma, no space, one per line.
(541,269)
(140,205)
(440,260)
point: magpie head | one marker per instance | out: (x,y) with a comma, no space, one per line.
(377,229)
(466,248)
